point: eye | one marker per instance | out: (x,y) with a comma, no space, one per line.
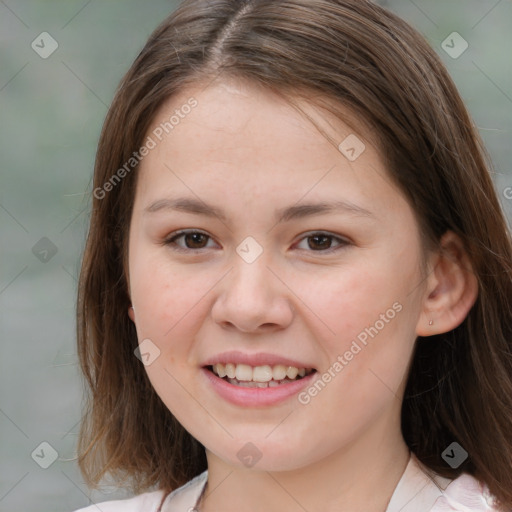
(194,240)
(322,242)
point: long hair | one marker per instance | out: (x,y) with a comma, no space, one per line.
(359,57)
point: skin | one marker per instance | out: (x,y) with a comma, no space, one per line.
(249,153)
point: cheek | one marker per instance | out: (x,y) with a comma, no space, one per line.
(367,352)
(166,299)
(369,313)
(161,292)
(167,303)
(351,299)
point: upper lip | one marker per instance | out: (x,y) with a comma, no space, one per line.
(258,359)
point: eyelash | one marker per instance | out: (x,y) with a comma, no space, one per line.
(170,241)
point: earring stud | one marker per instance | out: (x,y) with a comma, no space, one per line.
(431,322)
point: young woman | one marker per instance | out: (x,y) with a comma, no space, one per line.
(296,289)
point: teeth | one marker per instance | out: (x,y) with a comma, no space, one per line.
(279,372)
(259,374)
(243,372)
(292,372)
(262,373)
(230,370)
(252,384)
(221,370)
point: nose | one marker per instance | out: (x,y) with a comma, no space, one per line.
(251,298)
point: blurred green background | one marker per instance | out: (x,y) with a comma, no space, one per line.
(51,113)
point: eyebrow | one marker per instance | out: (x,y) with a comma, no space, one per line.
(198,207)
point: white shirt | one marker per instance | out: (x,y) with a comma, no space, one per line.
(417,491)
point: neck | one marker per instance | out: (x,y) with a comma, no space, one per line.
(360,477)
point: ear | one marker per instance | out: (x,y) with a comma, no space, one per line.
(131,314)
(452,288)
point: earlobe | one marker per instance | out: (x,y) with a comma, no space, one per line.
(452,288)
(131,313)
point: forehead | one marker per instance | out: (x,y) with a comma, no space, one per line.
(251,140)
(238,114)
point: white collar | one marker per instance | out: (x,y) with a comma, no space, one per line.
(417,490)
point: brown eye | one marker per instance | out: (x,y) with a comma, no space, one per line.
(320,242)
(323,242)
(193,240)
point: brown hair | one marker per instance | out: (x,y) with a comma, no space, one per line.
(375,65)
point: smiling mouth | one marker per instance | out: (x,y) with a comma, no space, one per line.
(265,376)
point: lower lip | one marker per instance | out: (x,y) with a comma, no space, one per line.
(254,397)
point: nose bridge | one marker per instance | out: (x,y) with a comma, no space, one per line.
(250,295)
(250,260)
(250,278)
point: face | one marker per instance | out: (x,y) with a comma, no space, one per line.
(267,278)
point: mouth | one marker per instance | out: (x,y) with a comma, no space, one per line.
(266,376)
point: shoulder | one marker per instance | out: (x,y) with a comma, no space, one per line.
(421,489)
(466,493)
(186,497)
(183,498)
(147,502)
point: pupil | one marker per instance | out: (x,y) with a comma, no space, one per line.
(321,237)
(196,239)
